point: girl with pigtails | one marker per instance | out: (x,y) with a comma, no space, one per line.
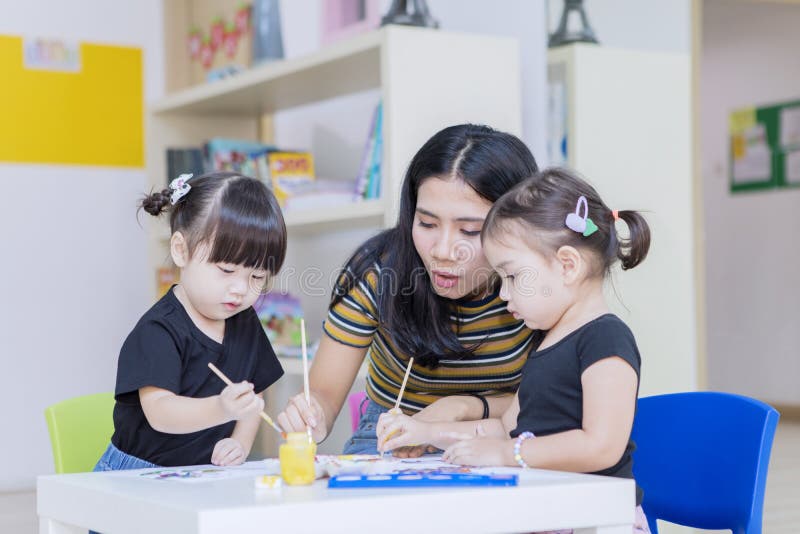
(553,241)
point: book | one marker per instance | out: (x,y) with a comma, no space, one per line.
(374,181)
(290,173)
(362,178)
(184,161)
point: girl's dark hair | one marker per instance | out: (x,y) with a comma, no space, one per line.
(537,209)
(236,216)
(414,316)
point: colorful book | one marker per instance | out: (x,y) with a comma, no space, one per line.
(362,179)
(291,173)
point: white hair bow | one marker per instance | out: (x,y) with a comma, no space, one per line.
(179,187)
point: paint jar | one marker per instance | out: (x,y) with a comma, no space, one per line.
(297,459)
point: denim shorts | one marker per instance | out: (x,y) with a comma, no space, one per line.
(364,440)
(116,460)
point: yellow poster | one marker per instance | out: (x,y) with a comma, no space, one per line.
(79,105)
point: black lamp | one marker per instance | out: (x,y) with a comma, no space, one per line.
(563,35)
(418,16)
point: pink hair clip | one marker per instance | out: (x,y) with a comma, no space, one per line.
(581,224)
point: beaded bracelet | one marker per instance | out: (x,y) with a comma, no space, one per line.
(518,445)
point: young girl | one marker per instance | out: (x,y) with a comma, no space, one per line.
(553,242)
(228,237)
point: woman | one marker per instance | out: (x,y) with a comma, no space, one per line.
(424,289)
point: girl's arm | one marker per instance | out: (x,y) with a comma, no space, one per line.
(245,431)
(174,414)
(235,449)
(330,378)
(463,408)
(609,402)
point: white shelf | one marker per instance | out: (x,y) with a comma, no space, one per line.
(294,366)
(367,212)
(461,73)
(345,67)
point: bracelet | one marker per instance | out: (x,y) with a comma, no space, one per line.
(484,402)
(518,445)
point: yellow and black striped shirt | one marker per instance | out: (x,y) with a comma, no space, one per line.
(495,365)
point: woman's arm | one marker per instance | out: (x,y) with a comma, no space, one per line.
(174,414)
(463,408)
(609,403)
(333,371)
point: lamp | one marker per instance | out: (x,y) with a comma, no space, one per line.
(418,16)
(563,35)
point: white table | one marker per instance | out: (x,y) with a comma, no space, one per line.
(112,503)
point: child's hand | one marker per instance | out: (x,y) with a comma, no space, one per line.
(481,451)
(228,451)
(239,401)
(397,430)
(298,414)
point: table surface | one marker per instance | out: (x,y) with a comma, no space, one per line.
(126,502)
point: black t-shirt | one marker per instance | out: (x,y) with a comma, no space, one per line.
(551,394)
(166,350)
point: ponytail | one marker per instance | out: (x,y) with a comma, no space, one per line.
(632,251)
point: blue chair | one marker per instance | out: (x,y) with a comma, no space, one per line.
(702,458)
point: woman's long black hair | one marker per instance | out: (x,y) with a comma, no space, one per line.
(414,316)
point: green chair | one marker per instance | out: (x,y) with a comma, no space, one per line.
(80,430)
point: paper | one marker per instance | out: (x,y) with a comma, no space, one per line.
(790,127)
(751,156)
(791,171)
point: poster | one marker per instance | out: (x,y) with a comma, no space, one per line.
(70,103)
(765,147)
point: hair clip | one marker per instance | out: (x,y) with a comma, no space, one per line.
(581,224)
(179,187)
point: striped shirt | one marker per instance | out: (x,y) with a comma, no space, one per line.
(494,367)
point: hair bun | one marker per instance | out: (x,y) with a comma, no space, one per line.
(156,203)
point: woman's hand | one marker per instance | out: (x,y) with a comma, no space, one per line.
(398,430)
(228,451)
(298,414)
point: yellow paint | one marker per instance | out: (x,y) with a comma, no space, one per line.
(742,119)
(91,117)
(297,459)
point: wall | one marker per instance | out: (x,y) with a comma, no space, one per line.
(73,275)
(753,255)
(662,25)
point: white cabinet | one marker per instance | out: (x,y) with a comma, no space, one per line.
(628,131)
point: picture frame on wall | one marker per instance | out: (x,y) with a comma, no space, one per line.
(346,18)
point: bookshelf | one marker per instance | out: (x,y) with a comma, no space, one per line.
(426,80)
(627,118)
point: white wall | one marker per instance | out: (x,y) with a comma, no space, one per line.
(662,25)
(752,242)
(74,270)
